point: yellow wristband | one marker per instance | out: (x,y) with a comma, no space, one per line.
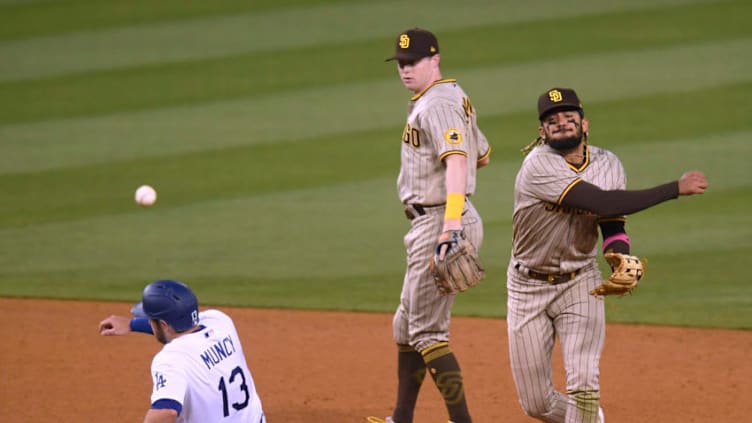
(454,206)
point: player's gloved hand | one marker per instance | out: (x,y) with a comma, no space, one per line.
(627,272)
(455,266)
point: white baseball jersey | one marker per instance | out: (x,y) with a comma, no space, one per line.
(441,121)
(206,372)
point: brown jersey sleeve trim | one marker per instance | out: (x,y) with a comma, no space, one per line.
(449,153)
(617,202)
(567,189)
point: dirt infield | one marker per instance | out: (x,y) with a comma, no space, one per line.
(333,367)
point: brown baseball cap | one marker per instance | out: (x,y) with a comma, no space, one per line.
(558,99)
(415,44)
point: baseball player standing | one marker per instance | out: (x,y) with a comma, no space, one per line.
(442,147)
(200,375)
(565,190)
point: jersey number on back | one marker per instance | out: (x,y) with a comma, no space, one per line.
(243,388)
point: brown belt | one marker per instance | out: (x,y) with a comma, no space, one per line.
(552,278)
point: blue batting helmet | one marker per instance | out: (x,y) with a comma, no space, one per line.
(171,301)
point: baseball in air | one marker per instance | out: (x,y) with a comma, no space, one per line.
(146,196)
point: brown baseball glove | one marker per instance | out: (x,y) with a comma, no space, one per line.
(627,272)
(461,267)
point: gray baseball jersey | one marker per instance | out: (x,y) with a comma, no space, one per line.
(441,121)
(553,239)
(549,237)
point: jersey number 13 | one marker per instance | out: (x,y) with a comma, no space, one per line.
(242,386)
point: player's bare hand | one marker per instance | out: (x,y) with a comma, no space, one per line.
(450,226)
(115,325)
(443,248)
(692,182)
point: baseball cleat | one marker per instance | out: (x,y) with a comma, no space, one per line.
(379,420)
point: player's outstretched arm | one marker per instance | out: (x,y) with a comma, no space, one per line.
(115,325)
(586,196)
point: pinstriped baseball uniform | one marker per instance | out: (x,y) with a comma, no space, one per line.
(441,121)
(552,239)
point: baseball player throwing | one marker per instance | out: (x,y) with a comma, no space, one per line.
(441,149)
(565,190)
(200,375)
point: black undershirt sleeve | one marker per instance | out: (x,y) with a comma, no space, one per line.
(587,196)
(610,228)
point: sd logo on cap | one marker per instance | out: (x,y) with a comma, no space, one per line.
(558,99)
(415,44)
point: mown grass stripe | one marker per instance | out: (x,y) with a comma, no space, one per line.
(254,206)
(20,19)
(56,194)
(216,247)
(273,30)
(364,106)
(262,73)
(105,238)
(220,230)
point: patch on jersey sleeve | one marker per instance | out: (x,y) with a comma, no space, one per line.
(160,381)
(453,136)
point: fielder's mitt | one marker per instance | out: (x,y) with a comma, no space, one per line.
(460,269)
(627,271)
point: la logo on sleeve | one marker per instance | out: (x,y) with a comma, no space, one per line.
(160,381)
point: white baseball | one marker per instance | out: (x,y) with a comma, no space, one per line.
(146,196)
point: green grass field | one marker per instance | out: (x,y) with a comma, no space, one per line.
(271,131)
